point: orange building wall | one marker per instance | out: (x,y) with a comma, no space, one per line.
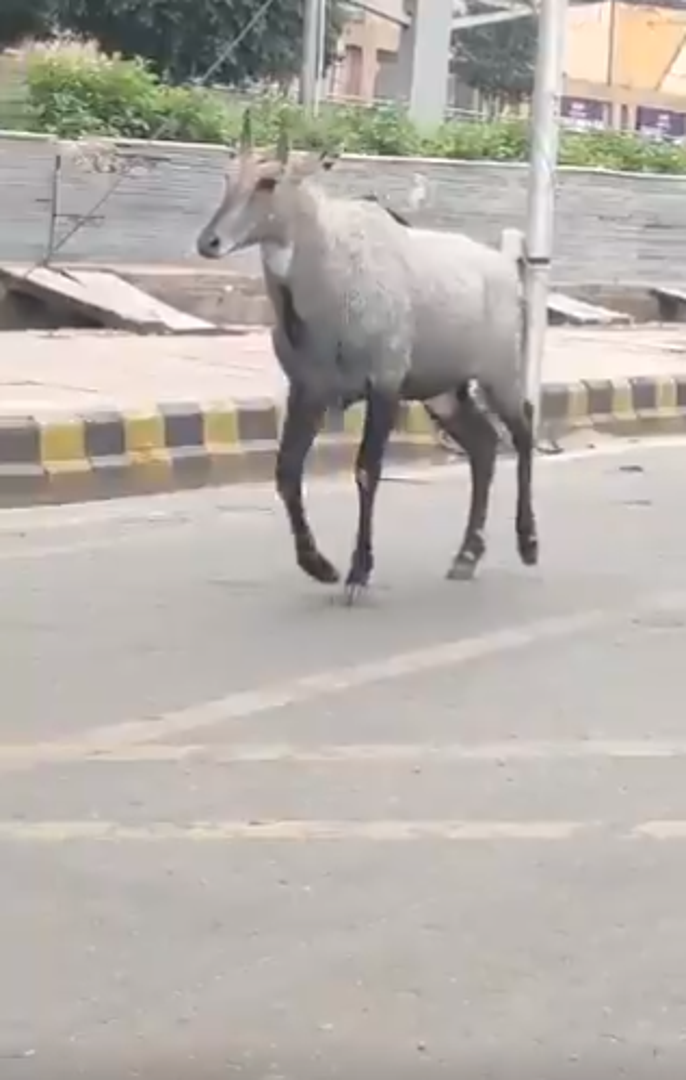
(626,54)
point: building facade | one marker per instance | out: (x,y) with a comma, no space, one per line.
(625,63)
(368,52)
(625,66)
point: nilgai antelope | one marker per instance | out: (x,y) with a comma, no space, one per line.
(368,309)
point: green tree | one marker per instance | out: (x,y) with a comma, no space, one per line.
(20,19)
(497,58)
(183,38)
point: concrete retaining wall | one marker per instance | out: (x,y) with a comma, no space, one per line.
(611,227)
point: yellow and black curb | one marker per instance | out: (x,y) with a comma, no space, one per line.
(101,455)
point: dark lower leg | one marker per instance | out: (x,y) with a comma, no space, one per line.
(474,432)
(303,420)
(522,431)
(378,425)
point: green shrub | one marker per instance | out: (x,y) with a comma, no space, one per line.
(73,95)
(187,115)
(622,151)
(505,140)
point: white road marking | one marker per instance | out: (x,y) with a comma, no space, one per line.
(513,750)
(299,690)
(307,688)
(56,832)
(661,830)
(309,831)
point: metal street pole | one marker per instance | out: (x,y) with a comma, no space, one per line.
(541,192)
(321,51)
(310,63)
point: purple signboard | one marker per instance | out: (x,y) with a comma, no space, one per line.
(582,114)
(660,123)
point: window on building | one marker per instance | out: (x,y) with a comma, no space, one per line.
(352,86)
(386,68)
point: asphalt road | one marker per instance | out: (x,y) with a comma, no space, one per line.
(247,831)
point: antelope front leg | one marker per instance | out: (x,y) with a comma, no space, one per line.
(379,422)
(304,418)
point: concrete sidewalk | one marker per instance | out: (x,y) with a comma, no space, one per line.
(89,414)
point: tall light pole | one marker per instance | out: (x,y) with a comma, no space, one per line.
(314,51)
(321,51)
(310,63)
(541,192)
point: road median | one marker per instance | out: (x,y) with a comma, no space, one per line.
(93,455)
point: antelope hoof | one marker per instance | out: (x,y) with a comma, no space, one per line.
(467,559)
(318,567)
(358,578)
(527,545)
(463,567)
(353,591)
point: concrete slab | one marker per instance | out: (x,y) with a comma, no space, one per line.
(671,301)
(568,309)
(105,299)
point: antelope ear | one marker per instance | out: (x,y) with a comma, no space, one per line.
(246,132)
(303,165)
(309,163)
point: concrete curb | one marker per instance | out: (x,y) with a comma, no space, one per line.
(94,456)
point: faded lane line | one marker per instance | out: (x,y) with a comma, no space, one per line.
(103,543)
(78,547)
(58,832)
(661,830)
(145,531)
(304,831)
(367,753)
(339,680)
(307,688)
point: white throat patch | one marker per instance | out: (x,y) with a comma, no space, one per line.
(278,258)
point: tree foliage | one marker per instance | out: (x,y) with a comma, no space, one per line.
(180,38)
(20,19)
(497,58)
